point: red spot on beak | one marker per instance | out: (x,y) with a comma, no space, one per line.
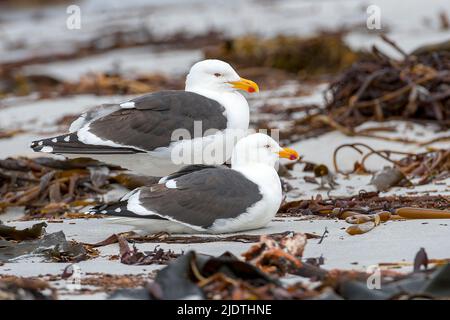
(292,157)
(250,89)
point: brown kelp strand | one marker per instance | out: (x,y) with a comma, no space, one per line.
(364,203)
(49,188)
(381,88)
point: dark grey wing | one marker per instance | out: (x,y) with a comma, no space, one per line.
(92,114)
(199,199)
(69,143)
(202,197)
(186,170)
(151,120)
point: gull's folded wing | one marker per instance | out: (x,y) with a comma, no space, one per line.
(140,125)
(197,199)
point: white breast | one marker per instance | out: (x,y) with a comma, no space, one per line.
(261,212)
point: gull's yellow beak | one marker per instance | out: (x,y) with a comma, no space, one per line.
(246,85)
(288,154)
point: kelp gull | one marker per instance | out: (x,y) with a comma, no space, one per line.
(209,199)
(138,134)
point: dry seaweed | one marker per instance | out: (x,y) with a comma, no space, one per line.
(49,188)
(277,255)
(11,233)
(429,166)
(19,288)
(198,276)
(53,246)
(164,237)
(194,275)
(225,277)
(377,87)
(70,251)
(422,213)
(381,88)
(91,283)
(364,203)
(102,282)
(136,257)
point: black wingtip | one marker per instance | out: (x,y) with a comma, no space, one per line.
(53,144)
(69,144)
(115,209)
(47,145)
(34,143)
(41,146)
(37,145)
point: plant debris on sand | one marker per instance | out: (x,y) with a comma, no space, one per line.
(195,275)
(34,241)
(16,288)
(364,203)
(164,237)
(381,88)
(374,86)
(368,210)
(429,166)
(134,256)
(48,188)
(277,254)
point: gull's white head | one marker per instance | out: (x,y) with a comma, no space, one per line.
(216,75)
(259,148)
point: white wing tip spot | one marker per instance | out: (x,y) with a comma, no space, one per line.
(47,149)
(118,210)
(171,184)
(103,211)
(40,143)
(67,138)
(54,140)
(128,104)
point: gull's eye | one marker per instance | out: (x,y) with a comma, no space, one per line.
(267,146)
(217,74)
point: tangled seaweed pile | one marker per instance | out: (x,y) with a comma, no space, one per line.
(227,277)
(48,187)
(381,88)
(429,166)
(364,203)
(257,276)
(375,87)
(367,210)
